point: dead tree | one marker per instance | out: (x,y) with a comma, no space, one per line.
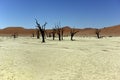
(15,35)
(97,32)
(42,30)
(49,34)
(62,33)
(33,35)
(53,33)
(72,33)
(58,31)
(38,33)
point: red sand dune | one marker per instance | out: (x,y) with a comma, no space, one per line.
(107,31)
(18,30)
(111,31)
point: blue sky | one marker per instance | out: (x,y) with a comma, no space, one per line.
(74,13)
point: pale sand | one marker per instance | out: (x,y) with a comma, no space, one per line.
(83,59)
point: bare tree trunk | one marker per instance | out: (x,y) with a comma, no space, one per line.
(43,36)
(49,35)
(42,30)
(38,34)
(72,33)
(62,33)
(15,35)
(98,33)
(58,30)
(53,33)
(33,35)
(53,36)
(72,37)
(98,36)
(59,34)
